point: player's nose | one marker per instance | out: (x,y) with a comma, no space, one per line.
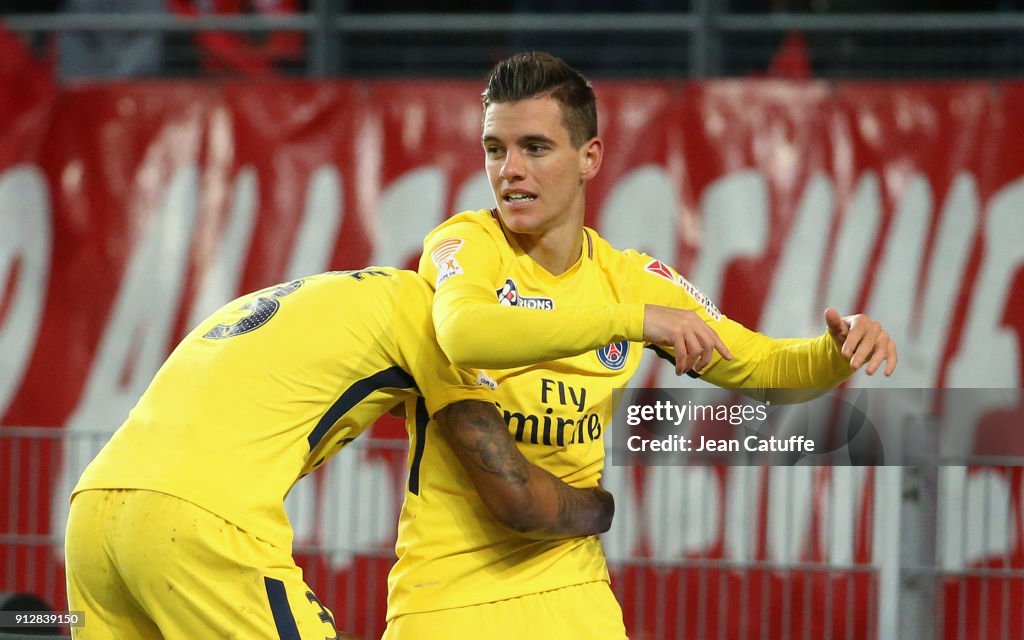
(513,168)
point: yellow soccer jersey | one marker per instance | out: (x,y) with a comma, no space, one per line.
(450,552)
(273,384)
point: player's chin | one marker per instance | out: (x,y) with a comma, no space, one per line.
(519,221)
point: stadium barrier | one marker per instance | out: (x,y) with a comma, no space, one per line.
(714,553)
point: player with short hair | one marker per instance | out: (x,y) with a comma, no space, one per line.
(178,529)
(545,287)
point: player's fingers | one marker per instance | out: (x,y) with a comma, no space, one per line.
(721,348)
(710,342)
(850,346)
(891,359)
(705,356)
(684,359)
(679,348)
(876,361)
(868,345)
(685,363)
(693,350)
(880,353)
(853,339)
(702,333)
(834,322)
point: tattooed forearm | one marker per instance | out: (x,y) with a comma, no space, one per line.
(480,437)
(518,494)
(583,511)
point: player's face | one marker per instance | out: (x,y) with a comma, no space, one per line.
(536,174)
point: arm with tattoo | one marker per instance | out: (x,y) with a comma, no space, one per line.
(520,495)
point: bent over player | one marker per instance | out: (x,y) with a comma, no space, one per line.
(177,528)
(544,287)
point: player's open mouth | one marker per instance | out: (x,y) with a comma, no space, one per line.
(518,197)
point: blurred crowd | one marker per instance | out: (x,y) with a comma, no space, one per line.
(126,54)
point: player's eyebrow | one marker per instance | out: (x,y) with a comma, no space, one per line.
(535,138)
(532,138)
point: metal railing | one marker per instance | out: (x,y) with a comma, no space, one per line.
(705,42)
(882,564)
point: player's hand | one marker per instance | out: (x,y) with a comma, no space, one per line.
(691,339)
(863,341)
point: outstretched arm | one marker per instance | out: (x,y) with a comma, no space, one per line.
(788,370)
(863,341)
(519,495)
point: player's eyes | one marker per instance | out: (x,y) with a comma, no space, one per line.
(492,151)
(535,148)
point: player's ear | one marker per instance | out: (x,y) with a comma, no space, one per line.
(591,154)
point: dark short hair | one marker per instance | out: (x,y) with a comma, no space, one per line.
(536,74)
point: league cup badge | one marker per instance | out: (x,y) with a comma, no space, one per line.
(443,257)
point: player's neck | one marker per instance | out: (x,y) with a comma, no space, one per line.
(555,250)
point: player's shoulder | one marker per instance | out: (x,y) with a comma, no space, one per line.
(473,225)
(408,288)
(632,267)
(611,258)
(373,285)
(399,298)
(365,277)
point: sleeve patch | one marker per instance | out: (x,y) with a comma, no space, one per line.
(701,298)
(443,256)
(658,267)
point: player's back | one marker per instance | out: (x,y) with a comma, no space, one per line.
(266,389)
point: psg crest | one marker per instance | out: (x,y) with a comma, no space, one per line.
(614,355)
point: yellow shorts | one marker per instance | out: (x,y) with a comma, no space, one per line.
(581,611)
(143,564)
